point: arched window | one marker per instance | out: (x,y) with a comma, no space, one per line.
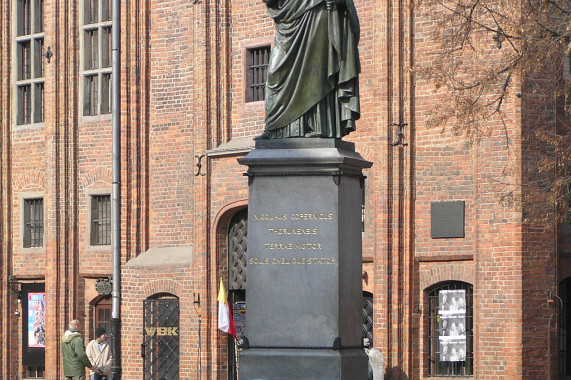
(102,314)
(450,351)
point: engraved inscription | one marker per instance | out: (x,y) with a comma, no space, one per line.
(293,231)
(294,216)
(291,261)
(296,232)
(292,246)
(264,216)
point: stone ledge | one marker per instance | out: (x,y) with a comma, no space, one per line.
(233,147)
(163,256)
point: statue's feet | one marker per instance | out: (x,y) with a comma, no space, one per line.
(264,136)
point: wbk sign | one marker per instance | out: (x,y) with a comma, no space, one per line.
(161,331)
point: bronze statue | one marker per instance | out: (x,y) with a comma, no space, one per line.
(312,88)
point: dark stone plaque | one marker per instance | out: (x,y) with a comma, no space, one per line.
(447,219)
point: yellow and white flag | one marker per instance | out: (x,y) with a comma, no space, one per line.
(225,319)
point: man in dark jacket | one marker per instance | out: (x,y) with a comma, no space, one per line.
(74,358)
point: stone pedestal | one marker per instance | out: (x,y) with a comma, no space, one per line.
(304,290)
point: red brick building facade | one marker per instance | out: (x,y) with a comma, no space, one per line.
(186,118)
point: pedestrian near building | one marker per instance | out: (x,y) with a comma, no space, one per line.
(73,350)
(99,353)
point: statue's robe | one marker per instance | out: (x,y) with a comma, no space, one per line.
(312,83)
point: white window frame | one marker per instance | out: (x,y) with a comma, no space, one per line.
(95,63)
(95,239)
(25,198)
(34,111)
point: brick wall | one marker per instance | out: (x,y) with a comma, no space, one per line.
(183,70)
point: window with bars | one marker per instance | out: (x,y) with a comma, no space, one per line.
(450,330)
(29,60)
(33,223)
(368,317)
(96,32)
(101,220)
(257,62)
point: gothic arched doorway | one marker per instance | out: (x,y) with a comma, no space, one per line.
(237,257)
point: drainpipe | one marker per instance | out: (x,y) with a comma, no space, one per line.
(116,174)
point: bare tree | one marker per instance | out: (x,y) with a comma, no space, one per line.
(490,52)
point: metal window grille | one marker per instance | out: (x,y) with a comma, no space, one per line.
(24,60)
(101,220)
(368,316)
(39,103)
(238,250)
(91,11)
(106,47)
(38,58)
(258,60)
(29,56)
(97,56)
(237,258)
(160,348)
(90,97)
(437,366)
(24,17)
(24,104)
(33,223)
(106,93)
(106,10)
(38,16)
(91,48)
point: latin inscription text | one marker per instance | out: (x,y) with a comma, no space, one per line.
(285,226)
(294,216)
(291,261)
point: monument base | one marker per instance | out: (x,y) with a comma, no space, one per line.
(277,364)
(304,296)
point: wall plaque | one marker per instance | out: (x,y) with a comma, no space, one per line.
(447,219)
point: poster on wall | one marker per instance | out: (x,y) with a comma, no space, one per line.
(452,325)
(452,350)
(36,320)
(452,301)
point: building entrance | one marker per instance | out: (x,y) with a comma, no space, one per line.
(237,256)
(160,348)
